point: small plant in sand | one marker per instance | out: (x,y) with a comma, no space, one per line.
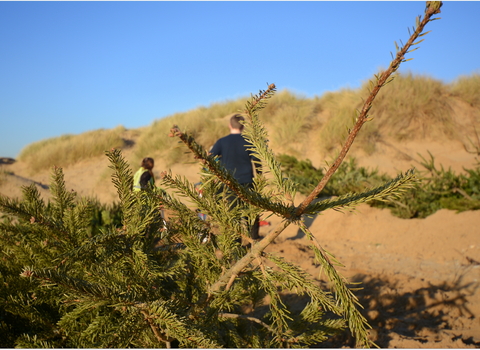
(436,188)
(186,282)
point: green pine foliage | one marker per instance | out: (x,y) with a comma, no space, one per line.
(65,285)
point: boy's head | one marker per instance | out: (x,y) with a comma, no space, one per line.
(236,122)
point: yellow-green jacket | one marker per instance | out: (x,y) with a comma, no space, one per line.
(138,176)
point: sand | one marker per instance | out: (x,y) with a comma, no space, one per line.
(420,277)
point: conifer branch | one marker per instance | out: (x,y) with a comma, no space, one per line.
(357,324)
(432,8)
(249,257)
(158,334)
(217,169)
(385,192)
(31,209)
(255,133)
(122,179)
(250,318)
(26,210)
(347,302)
(259,101)
(293,277)
(62,199)
(174,326)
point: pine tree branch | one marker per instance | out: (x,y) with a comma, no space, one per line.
(217,169)
(378,193)
(382,80)
(433,8)
(302,281)
(62,199)
(387,191)
(253,319)
(158,334)
(32,209)
(172,326)
(256,134)
(256,251)
(347,302)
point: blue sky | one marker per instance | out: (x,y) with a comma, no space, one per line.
(71,67)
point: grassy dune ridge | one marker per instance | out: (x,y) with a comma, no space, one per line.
(415,106)
(69,149)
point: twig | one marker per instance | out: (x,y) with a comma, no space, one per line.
(432,9)
(462,192)
(249,257)
(228,315)
(156,331)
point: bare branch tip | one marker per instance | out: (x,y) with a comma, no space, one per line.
(175,131)
(433,7)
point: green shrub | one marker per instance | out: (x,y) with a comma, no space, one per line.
(349,178)
(437,188)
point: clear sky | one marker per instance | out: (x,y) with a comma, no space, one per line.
(71,67)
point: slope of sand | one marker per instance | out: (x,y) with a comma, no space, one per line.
(420,277)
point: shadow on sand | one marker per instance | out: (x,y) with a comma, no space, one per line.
(428,314)
(431,310)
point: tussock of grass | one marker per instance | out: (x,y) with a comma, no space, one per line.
(414,107)
(69,149)
(342,107)
(205,124)
(292,118)
(468,89)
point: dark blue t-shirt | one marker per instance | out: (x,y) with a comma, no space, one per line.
(234,156)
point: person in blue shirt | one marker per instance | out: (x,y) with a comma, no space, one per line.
(235,156)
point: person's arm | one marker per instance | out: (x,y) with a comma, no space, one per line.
(144,179)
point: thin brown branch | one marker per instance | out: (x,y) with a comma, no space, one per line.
(260,97)
(230,282)
(249,257)
(432,9)
(228,315)
(158,334)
